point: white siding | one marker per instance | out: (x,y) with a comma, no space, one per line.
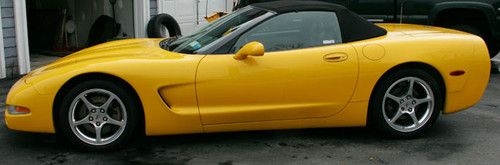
(3,72)
(9,38)
(190,14)
(153,7)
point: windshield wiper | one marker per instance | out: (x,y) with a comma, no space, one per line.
(165,44)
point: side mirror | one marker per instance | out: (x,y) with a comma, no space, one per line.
(251,49)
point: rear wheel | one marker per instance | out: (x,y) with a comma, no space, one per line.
(98,115)
(406,103)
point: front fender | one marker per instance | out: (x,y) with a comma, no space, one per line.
(145,76)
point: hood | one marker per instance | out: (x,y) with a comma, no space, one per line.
(121,49)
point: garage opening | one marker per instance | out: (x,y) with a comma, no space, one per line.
(57,28)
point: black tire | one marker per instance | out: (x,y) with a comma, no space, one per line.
(130,119)
(156,24)
(378,109)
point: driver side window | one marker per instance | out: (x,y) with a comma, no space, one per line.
(294,30)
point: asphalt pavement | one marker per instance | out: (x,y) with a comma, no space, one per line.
(468,137)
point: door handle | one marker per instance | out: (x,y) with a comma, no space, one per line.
(335,57)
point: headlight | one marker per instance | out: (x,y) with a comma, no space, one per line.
(17,110)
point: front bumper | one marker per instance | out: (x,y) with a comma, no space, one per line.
(39,119)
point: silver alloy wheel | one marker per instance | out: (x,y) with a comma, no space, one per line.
(408,104)
(97,116)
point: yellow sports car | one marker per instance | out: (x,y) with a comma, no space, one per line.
(271,65)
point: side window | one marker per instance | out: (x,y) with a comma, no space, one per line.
(294,31)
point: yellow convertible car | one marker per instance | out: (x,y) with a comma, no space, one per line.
(271,65)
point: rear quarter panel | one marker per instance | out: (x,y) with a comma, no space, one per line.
(446,51)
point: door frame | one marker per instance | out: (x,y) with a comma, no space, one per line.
(22,45)
(3,69)
(141,17)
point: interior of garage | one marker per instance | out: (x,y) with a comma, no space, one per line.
(59,27)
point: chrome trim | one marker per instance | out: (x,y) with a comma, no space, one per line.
(375,20)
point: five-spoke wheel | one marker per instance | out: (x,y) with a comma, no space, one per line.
(405,103)
(98,114)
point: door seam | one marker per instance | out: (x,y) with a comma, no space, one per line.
(196,92)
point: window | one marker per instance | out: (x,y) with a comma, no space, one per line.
(213,31)
(294,31)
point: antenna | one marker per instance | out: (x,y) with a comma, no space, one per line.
(401,11)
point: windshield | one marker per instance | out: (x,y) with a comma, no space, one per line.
(213,31)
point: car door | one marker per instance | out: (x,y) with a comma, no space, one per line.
(306,72)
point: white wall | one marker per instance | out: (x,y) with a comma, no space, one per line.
(187,11)
(184,11)
(3,71)
(213,6)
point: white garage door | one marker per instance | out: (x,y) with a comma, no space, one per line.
(190,14)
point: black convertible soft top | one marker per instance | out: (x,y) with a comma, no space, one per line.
(353,26)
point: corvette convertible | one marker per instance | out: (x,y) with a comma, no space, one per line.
(273,65)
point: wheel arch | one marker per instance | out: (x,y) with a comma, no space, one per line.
(409,65)
(93,76)
(483,10)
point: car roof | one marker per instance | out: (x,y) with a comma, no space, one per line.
(353,27)
(285,6)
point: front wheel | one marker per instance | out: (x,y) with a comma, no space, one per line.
(406,103)
(98,115)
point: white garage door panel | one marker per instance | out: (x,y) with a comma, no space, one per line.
(184,11)
(213,7)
